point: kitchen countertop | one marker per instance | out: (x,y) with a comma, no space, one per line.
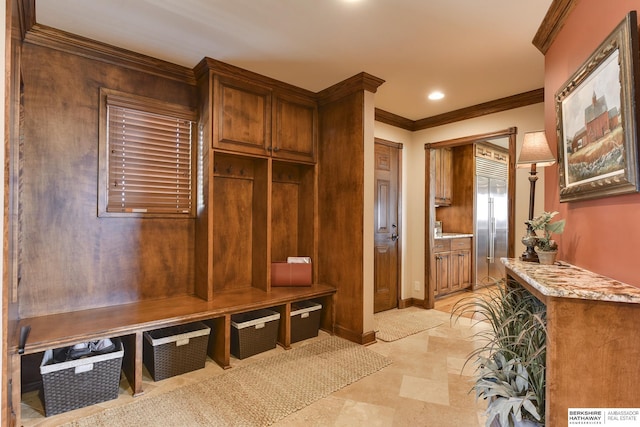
(453,235)
(568,281)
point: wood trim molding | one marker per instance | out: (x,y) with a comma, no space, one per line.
(510,102)
(472,138)
(552,24)
(348,334)
(511,133)
(383,116)
(388,143)
(410,302)
(359,82)
(45,36)
(25,11)
(209,64)
(535,96)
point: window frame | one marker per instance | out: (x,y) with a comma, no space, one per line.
(151,106)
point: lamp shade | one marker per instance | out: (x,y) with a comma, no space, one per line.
(535,150)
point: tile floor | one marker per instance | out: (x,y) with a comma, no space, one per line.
(424,385)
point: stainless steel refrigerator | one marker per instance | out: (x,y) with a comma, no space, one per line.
(490,222)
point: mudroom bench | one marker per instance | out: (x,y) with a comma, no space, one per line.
(130,321)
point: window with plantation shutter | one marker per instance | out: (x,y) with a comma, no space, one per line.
(147,157)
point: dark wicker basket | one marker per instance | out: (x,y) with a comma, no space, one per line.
(83,382)
(305,320)
(254,332)
(175,350)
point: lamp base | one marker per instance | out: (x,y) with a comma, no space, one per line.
(530,240)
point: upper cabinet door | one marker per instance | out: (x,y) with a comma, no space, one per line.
(242,116)
(443,163)
(295,124)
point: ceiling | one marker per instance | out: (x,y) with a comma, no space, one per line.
(474,51)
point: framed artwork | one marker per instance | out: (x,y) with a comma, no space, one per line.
(596,112)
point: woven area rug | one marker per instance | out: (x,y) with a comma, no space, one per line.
(391,325)
(257,394)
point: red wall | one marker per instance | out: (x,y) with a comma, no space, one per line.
(601,235)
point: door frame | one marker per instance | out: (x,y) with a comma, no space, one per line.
(398,146)
(430,209)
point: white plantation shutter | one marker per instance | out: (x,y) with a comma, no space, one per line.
(149,161)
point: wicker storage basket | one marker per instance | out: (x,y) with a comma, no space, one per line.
(305,320)
(254,332)
(175,350)
(83,382)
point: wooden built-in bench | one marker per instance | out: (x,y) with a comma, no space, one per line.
(130,321)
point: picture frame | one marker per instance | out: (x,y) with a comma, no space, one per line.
(596,112)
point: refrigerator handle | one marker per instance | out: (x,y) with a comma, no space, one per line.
(492,230)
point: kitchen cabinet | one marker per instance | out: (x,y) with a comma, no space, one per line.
(443,176)
(451,265)
(460,264)
(257,119)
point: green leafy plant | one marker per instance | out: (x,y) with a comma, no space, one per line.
(543,222)
(511,355)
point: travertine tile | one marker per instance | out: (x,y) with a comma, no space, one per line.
(355,414)
(426,390)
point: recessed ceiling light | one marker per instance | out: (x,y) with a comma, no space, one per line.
(436,95)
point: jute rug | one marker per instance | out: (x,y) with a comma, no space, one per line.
(257,394)
(391,325)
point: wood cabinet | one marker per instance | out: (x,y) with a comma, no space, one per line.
(259,192)
(295,128)
(451,264)
(460,263)
(265,205)
(254,118)
(592,324)
(242,116)
(442,266)
(443,176)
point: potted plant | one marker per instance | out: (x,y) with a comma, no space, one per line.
(548,248)
(511,357)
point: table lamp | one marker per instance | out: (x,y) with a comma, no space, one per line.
(535,152)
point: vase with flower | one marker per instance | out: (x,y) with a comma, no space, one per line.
(547,248)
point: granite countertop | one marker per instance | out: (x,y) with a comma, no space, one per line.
(453,235)
(568,281)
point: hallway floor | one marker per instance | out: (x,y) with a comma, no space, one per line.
(424,386)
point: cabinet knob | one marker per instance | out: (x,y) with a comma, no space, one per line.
(276,149)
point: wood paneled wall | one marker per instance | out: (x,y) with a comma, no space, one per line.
(70,258)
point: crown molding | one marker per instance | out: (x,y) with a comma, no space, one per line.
(53,38)
(552,24)
(23,16)
(359,82)
(383,116)
(503,104)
